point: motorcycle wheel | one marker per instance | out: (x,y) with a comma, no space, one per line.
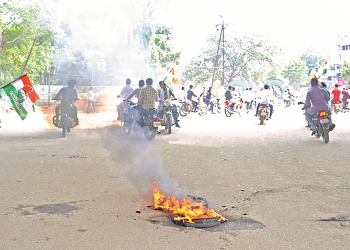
(182,112)
(227,113)
(127,128)
(149,133)
(325,135)
(220,110)
(64,125)
(202,111)
(168,121)
(261,120)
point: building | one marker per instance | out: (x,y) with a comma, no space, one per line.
(343,49)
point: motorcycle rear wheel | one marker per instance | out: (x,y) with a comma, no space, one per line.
(227,113)
(261,120)
(325,135)
(220,110)
(149,133)
(202,111)
(182,112)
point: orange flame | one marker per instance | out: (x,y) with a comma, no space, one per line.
(185,210)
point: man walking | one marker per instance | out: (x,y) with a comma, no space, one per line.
(90,95)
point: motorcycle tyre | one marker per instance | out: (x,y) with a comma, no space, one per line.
(261,120)
(325,135)
(227,113)
(64,125)
(182,113)
(219,110)
(149,133)
(127,128)
(202,111)
(168,123)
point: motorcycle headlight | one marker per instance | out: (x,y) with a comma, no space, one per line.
(167,103)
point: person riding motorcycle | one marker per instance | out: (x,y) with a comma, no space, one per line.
(336,95)
(285,97)
(191,94)
(291,96)
(70,94)
(165,93)
(207,99)
(148,97)
(124,93)
(316,101)
(135,111)
(265,97)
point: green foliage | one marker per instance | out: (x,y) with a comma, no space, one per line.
(346,71)
(160,48)
(296,71)
(246,57)
(312,58)
(20,23)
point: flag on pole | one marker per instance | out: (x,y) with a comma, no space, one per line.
(171,79)
(321,71)
(324,64)
(22,95)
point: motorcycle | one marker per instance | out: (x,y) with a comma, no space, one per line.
(65,120)
(166,116)
(147,124)
(336,107)
(230,109)
(263,113)
(287,103)
(217,106)
(321,120)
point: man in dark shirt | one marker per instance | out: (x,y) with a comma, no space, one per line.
(190,94)
(206,99)
(316,101)
(345,98)
(70,94)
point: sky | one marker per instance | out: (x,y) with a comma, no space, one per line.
(294,26)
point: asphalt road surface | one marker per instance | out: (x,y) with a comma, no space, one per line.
(92,189)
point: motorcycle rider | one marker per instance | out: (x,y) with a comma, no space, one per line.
(70,94)
(165,93)
(124,93)
(291,96)
(265,97)
(135,111)
(207,99)
(148,97)
(190,94)
(285,97)
(316,100)
(345,98)
(247,97)
(336,95)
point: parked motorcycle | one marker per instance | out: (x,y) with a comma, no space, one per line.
(65,119)
(263,113)
(147,123)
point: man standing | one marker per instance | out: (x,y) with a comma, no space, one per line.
(90,95)
(124,93)
(190,94)
(318,98)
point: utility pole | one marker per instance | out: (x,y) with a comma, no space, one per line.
(222,34)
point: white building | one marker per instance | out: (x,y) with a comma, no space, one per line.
(343,49)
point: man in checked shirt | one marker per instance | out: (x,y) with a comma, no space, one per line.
(148,97)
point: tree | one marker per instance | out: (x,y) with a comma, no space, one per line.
(20,23)
(312,58)
(160,48)
(296,71)
(346,71)
(246,57)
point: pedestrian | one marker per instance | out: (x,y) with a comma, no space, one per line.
(90,95)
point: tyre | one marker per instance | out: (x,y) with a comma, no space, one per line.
(127,128)
(182,111)
(220,109)
(202,111)
(149,133)
(261,120)
(64,125)
(325,136)
(168,123)
(227,113)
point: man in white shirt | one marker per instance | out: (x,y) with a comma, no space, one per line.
(265,98)
(124,93)
(248,96)
(90,95)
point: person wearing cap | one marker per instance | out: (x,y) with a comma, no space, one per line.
(70,94)
(318,97)
(191,94)
(336,95)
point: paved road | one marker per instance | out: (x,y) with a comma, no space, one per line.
(295,185)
